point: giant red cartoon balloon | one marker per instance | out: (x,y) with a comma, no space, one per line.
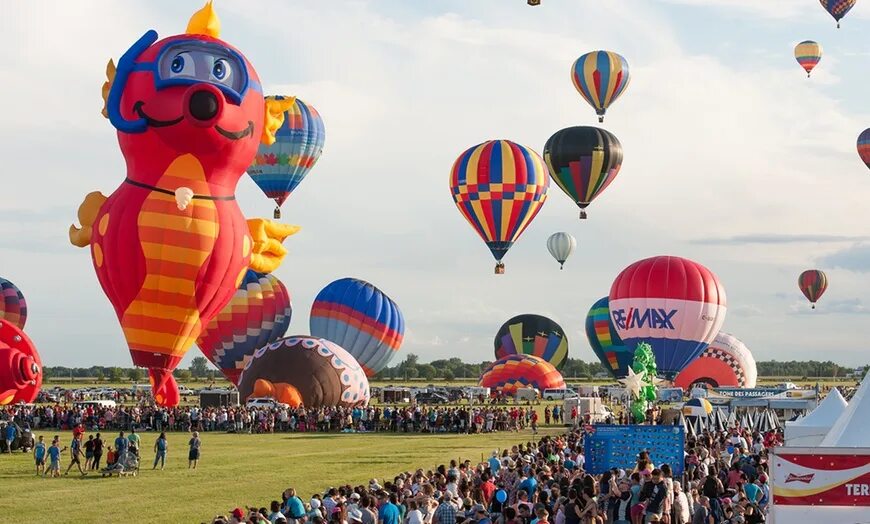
(170,245)
(20,366)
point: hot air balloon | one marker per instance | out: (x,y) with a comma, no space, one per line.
(561,245)
(600,77)
(813,283)
(837,8)
(258,314)
(279,168)
(307,371)
(533,335)
(808,54)
(13,307)
(674,304)
(499,186)
(20,366)
(360,318)
(864,146)
(583,161)
(512,372)
(725,363)
(615,357)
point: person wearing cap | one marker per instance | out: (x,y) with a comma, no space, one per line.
(446,511)
(353,502)
(494,463)
(354,516)
(237,516)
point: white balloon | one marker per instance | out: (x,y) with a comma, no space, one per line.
(561,245)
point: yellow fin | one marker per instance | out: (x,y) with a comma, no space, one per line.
(275,109)
(107,86)
(88,211)
(205,22)
(268,252)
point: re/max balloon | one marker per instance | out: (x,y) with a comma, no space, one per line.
(512,372)
(258,314)
(533,335)
(600,77)
(674,304)
(561,245)
(305,371)
(499,186)
(813,283)
(13,307)
(726,362)
(279,168)
(808,54)
(360,318)
(583,161)
(615,357)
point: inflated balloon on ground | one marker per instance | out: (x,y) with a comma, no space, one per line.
(726,362)
(533,335)
(512,372)
(20,366)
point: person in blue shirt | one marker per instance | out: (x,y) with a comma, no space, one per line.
(494,463)
(530,484)
(76,454)
(293,506)
(54,452)
(160,447)
(389,512)
(121,444)
(39,452)
(11,433)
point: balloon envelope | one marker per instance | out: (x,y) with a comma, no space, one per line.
(279,168)
(512,372)
(600,77)
(258,314)
(583,161)
(499,186)
(837,8)
(305,370)
(813,283)
(864,146)
(361,319)
(533,335)
(13,307)
(808,54)
(615,357)
(20,366)
(674,304)
(561,245)
(726,362)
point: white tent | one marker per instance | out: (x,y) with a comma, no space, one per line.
(812,428)
(852,428)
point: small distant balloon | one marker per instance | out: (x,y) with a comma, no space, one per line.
(808,54)
(864,146)
(837,8)
(561,245)
(600,77)
(813,283)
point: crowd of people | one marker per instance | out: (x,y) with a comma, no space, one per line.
(725,481)
(419,418)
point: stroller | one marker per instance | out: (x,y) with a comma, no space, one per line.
(127,464)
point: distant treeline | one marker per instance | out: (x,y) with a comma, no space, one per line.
(446,369)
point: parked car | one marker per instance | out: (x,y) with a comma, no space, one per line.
(184,390)
(265,403)
(431,398)
(558,394)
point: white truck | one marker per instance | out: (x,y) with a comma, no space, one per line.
(593,406)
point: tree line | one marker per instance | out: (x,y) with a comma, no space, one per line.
(446,369)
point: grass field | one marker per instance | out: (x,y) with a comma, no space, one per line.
(235,470)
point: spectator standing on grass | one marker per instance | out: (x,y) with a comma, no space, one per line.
(133,440)
(54,456)
(89,452)
(39,452)
(160,448)
(193,455)
(121,444)
(76,454)
(11,433)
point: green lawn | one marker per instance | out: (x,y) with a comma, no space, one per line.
(235,470)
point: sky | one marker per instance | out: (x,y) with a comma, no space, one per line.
(733,158)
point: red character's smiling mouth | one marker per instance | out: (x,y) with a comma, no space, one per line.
(153,122)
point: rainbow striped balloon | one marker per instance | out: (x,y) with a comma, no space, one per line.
(512,372)
(13,307)
(600,77)
(533,335)
(864,146)
(604,340)
(808,54)
(499,186)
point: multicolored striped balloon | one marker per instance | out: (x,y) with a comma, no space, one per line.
(837,8)
(615,357)
(600,77)
(499,186)
(360,318)
(813,283)
(279,168)
(258,314)
(512,372)
(726,362)
(583,161)
(533,335)
(673,304)
(864,146)
(13,307)
(808,54)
